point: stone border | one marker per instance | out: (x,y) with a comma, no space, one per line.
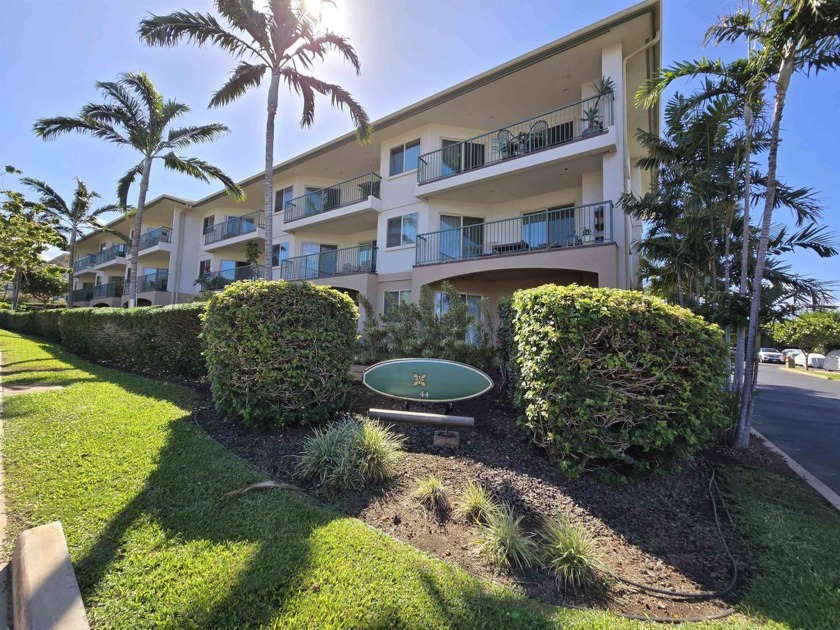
(823,490)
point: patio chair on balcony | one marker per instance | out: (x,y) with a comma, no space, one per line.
(538,135)
(503,145)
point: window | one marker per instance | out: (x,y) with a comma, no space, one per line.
(461,237)
(203,268)
(279,254)
(207,224)
(404,157)
(551,228)
(392,298)
(281,198)
(473,307)
(314,201)
(402,230)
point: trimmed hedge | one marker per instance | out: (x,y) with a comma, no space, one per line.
(279,353)
(615,379)
(151,339)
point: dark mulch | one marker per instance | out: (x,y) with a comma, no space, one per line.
(659,531)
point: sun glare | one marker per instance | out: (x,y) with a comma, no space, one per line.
(328,13)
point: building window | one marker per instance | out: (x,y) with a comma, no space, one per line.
(392,298)
(203,268)
(279,254)
(207,224)
(402,230)
(473,307)
(281,198)
(404,157)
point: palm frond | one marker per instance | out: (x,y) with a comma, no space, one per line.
(125,182)
(170,111)
(243,77)
(322,43)
(242,15)
(51,128)
(202,170)
(49,197)
(185,136)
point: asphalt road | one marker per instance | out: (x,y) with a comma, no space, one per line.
(801,415)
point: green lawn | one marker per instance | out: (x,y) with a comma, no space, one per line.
(138,487)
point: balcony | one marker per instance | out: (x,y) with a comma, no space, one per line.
(235,230)
(575,130)
(357,198)
(82,295)
(155,281)
(154,238)
(538,232)
(218,280)
(84,264)
(110,290)
(114,255)
(339,262)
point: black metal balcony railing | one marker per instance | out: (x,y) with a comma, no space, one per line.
(82,295)
(332,197)
(112,289)
(337,262)
(155,237)
(84,262)
(563,227)
(236,226)
(220,279)
(571,122)
(155,281)
(107,255)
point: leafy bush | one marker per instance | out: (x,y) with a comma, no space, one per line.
(475,502)
(39,323)
(502,541)
(415,330)
(431,494)
(571,554)
(617,379)
(279,353)
(351,453)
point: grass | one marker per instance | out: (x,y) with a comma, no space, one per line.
(432,494)
(502,541)
(138,487)
(475,502)
(571,554)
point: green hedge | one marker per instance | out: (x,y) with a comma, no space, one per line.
(615,379)
(279,353)
(153,339)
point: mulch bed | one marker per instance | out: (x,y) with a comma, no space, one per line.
(660,531)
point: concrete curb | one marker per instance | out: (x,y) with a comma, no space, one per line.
(823,490)
(44,588)
(804,373)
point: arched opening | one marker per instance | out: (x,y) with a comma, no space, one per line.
(100,305)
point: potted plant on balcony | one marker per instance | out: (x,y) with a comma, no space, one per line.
(586,236)
(592,118)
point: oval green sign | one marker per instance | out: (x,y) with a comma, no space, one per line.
(426,380)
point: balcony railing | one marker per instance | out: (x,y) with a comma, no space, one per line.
(571,122)
(563,227)
(155,281)
(83,263)
(338,262)
(332,197)
(112,289)
(155,237)
(236,226)
(107,255)
(82,295)
(220,279)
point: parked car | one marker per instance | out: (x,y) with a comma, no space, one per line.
(832,361)
(770,355)
(788,351)
(815,360)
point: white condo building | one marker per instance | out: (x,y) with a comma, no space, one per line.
(506,181)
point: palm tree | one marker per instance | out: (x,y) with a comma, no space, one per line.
(135,114)
(281,41)
(792,36)
(72,217)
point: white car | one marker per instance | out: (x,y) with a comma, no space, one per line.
(770,355)
(815,360)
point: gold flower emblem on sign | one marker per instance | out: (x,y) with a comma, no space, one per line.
(419,380)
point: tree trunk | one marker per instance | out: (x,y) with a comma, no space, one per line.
(16,290)
(268,184)
(743,287)
(138,225)
(742,433)
(71,251)
(727,281)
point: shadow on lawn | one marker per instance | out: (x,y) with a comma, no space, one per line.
(184,496)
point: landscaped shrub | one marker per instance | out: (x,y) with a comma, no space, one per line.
(432,494)
(475,502)
(502,540)
(615,379)
(350,453)
(279,353)
(415,330)
(572,555)
(38,323)
(152,339)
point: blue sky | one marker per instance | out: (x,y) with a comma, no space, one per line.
(52,52)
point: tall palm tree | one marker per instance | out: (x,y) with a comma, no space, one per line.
(135,114)
(281,41)
(791,36)
(72,217)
